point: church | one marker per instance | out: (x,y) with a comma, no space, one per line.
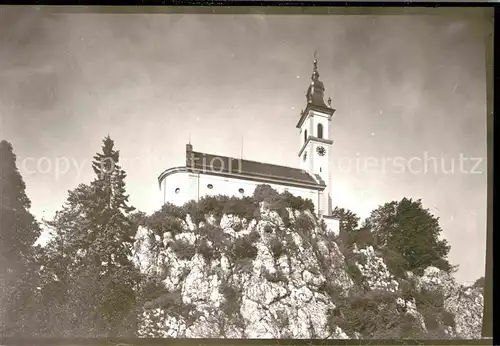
(210,174)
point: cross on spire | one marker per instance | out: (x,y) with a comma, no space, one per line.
(315,74)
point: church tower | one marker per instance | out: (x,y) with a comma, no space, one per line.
(315,144)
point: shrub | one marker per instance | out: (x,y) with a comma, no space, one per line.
(364,238)
(237,227)
(151,289)
(245,207)
(279,202)
(409,328)
(165,301)
(283,214)
(448,319)
(304,225)
(232,296)
(275,277)
(395,262)
(431,306)
(243,265)
(265,193)
(290,243)
(243,248)
(354,273)
(313,270)
(219,239)
(253,236)
(213,205)
(407,289)
(174,211)
(282,319)
(268,228)
(168,219)
(296,202)
(426,298)
(331,290)
(479,283)
(183,250)
(368,314)
(276,247)
(139,218)
(193,209)
(207,251)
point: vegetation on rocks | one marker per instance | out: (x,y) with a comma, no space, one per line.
(261,266)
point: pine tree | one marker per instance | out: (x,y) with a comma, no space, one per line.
(19,231)
(94,239)
(114,243)
(111,207)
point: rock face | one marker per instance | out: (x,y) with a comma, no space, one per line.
(464,302)
(270,277)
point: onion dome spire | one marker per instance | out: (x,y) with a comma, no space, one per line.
(316,90)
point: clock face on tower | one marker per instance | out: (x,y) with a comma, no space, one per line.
(321,151)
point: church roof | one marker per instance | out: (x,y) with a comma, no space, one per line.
(250,170)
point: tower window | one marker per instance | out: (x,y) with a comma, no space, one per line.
(177,190)
(320,130)
(320,169)
(305,136)
(210,186)
(241,191)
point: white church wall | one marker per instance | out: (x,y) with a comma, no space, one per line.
(193,186)
(231,187)
(170,185)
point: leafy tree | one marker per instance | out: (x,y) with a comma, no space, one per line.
(265,192)
(69,289)
(348,220)
(409,229)
(350,232)
(94,236)
(19,231)
(479,283)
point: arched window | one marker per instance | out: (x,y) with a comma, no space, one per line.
(241,191)
(210,186)
(320,130)
(305,136)
(177,190)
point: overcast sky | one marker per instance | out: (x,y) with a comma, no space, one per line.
(407,88)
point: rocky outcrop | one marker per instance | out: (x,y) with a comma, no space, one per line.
(273,276)
(465,303)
